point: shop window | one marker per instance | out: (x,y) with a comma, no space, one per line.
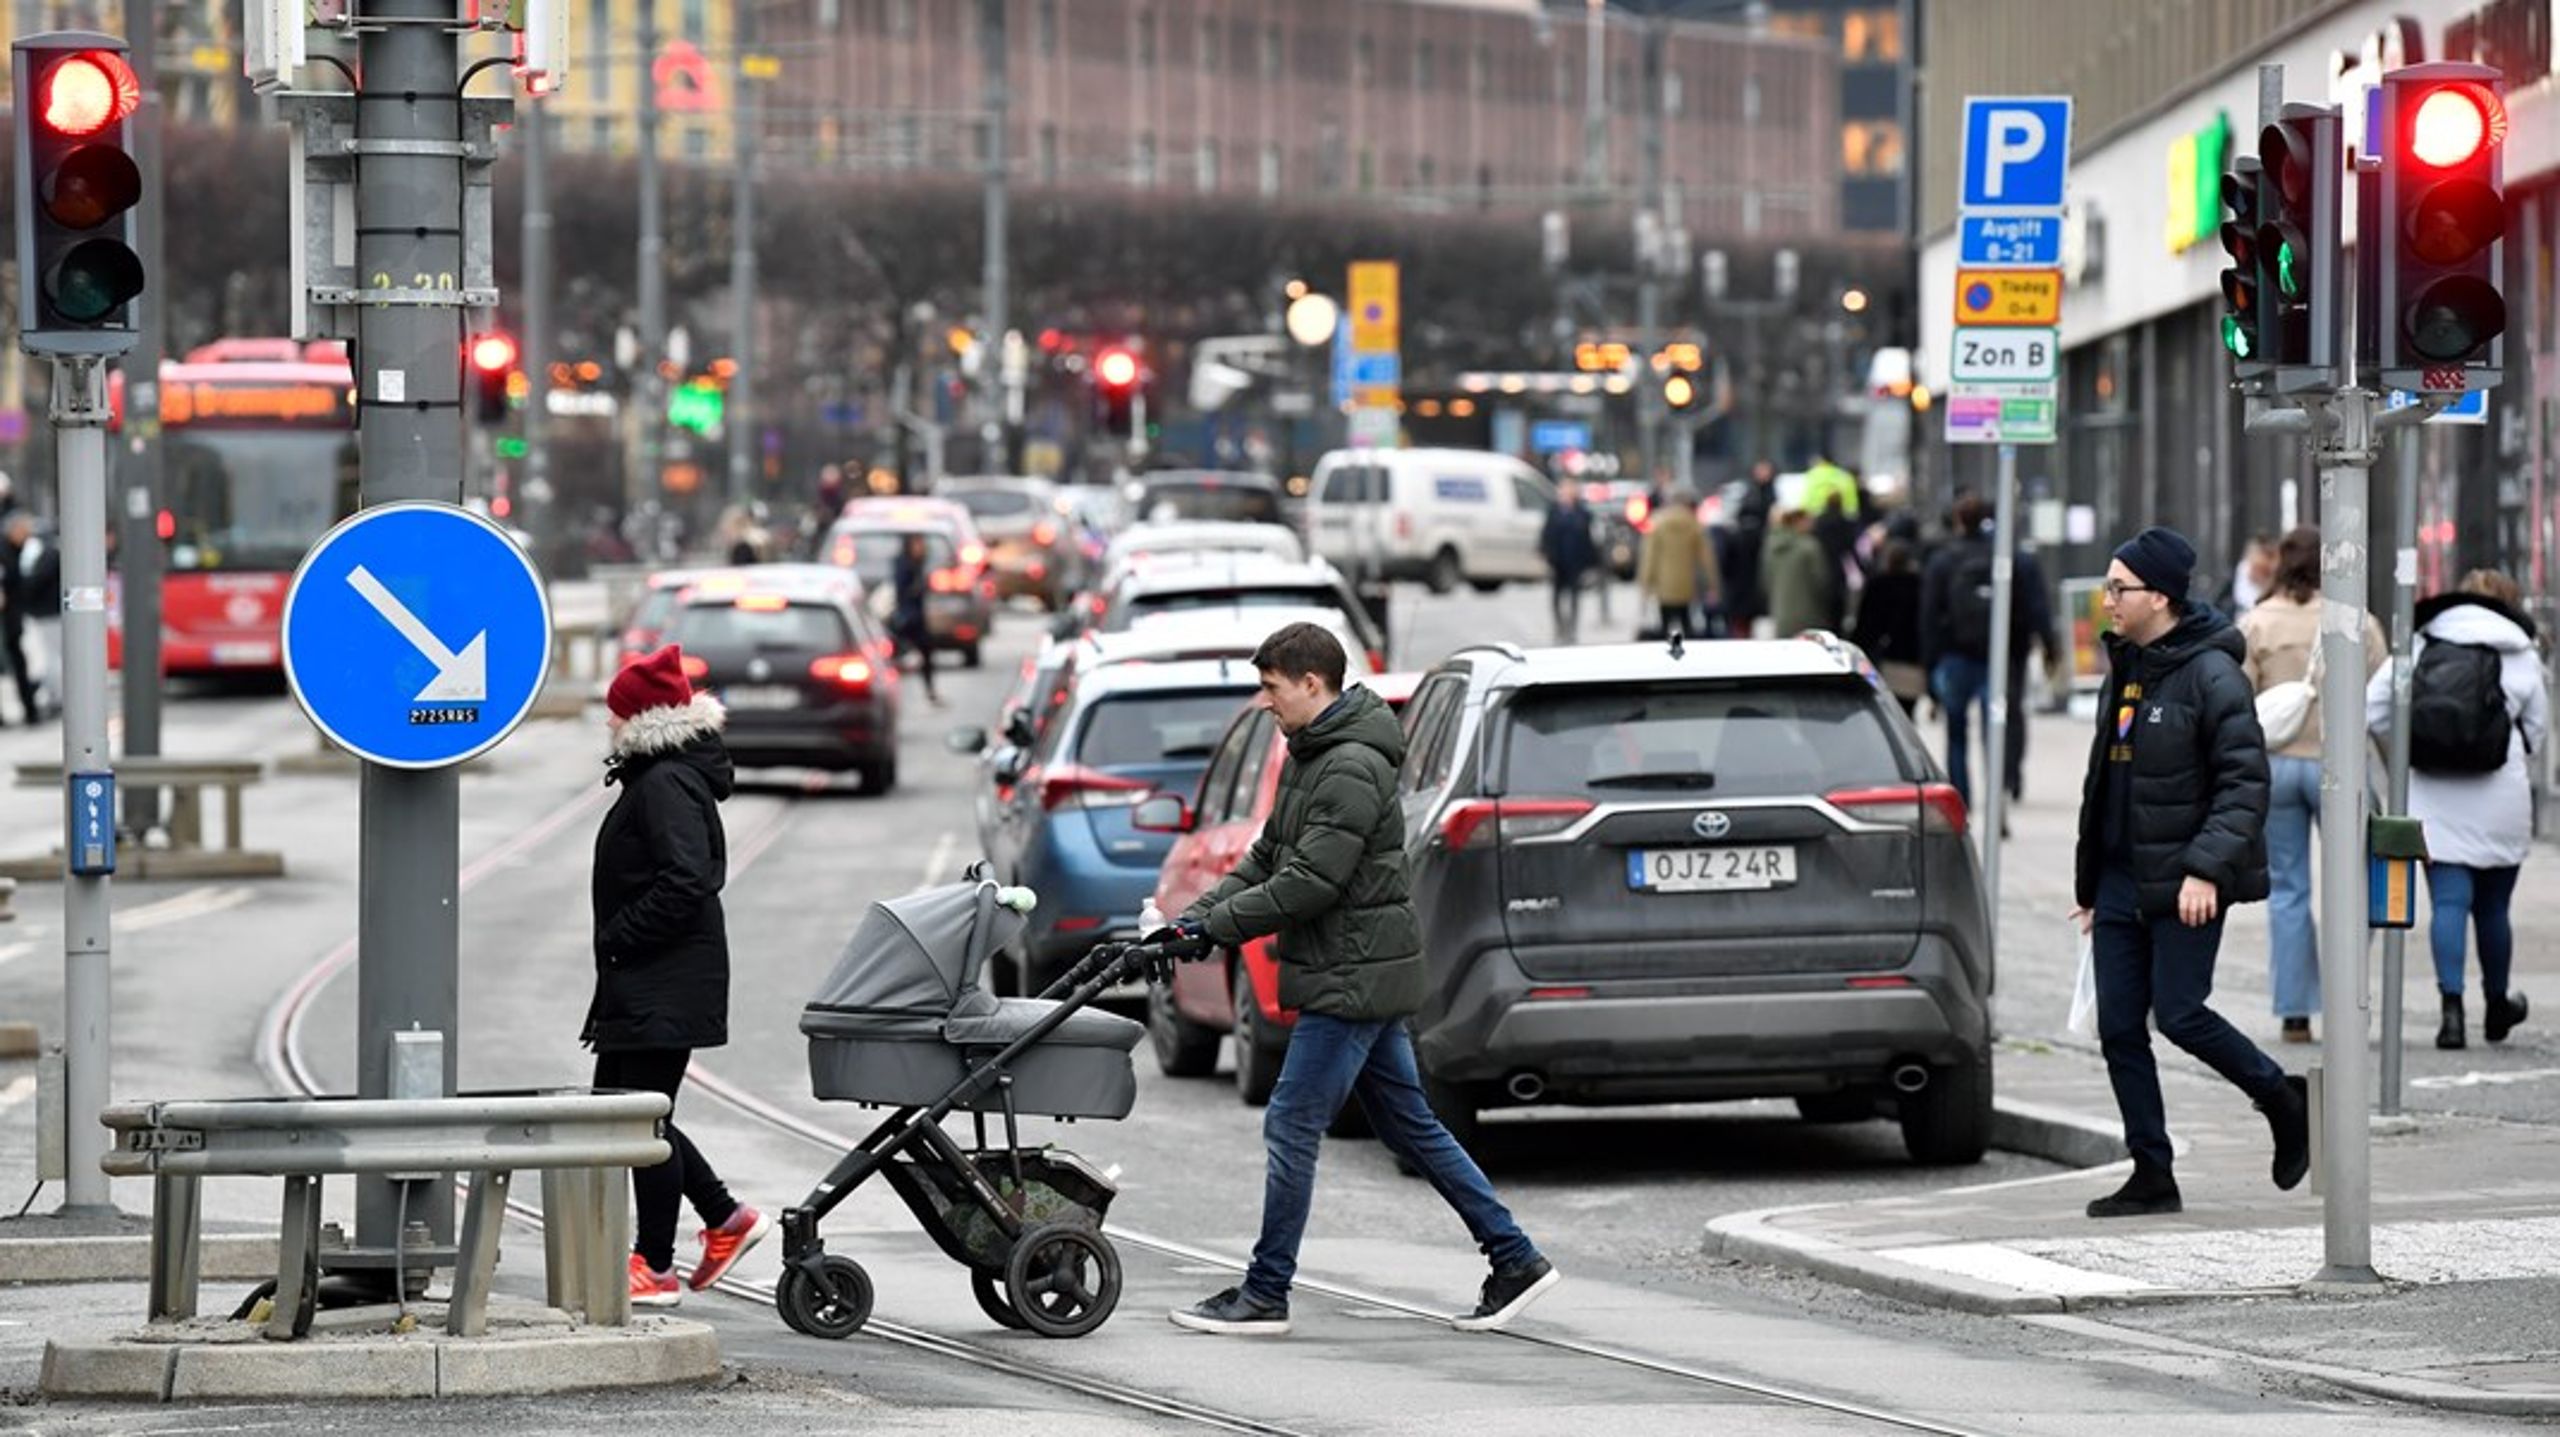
(1871,147)
(1871,36)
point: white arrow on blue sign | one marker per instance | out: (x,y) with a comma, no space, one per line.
(416,635)
(2016,152)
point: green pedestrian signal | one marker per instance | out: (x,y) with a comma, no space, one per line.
(697,406)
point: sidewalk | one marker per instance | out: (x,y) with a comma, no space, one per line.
(2465,1189)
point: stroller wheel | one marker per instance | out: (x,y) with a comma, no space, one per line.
(992,1301)
(832,1305)
(1064,1279)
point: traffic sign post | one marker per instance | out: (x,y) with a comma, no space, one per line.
(416,635)
(2003,384)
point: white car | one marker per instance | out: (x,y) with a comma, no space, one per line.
(1201,536)
(1446,516)
(1233,631)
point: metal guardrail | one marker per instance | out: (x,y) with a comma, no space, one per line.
(583,1141)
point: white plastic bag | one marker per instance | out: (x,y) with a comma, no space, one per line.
(2084,991)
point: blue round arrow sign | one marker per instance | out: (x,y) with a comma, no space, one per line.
(416,635)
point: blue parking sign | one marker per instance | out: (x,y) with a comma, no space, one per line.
(416,635)
(2017,149)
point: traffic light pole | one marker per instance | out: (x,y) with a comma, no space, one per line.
(649,398)
(139,553)
(1649,407)
(743,435)
(544,518)
(2404,604)
(1994,769)
(409,353)
(80,462)
(2345,450)
(998,277)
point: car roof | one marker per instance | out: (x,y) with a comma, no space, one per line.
(1116,679)
(1183,536)
(1396,687)
(1229,569)
(1023,483)
(1813,656)
(1225,478)
(789,580)
(1220,628)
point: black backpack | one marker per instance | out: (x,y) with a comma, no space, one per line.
(1969,595)
(2458,721)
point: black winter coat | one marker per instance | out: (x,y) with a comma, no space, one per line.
(661,941)
(2199,784)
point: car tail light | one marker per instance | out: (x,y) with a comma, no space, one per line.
(949,581)
(1377,661)
(1558,995)
(1882,980)
(1089,788)
(1926,808)
(696,666)
(763,603)
(1511,817)
(1036,569)
(843,552)
(1639,511)
(972,555)
(1044,533)
(850,672)
(1078,924)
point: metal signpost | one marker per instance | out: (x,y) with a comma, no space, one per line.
(2004,372)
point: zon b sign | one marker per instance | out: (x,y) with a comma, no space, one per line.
(2004,356)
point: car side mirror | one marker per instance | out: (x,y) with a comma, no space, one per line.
(967,738)
(1066,626)
(1018,730)
(1009,764)
(1161,813)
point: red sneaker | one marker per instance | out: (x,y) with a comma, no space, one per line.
(651,1288)
(722,1246)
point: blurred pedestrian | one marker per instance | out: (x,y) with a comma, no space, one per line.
(1958,602)
(2477,715)
(17,533)
(1328,877)
(911,585)
(1888,626)
(1676,569)
(2283,633)
(2172,833)
(1794,575)
(2252,577)
(1745,593)
(1571,555)
(662,951)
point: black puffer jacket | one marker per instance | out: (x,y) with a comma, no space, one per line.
(662,943)
(1328,873)
(2199,769)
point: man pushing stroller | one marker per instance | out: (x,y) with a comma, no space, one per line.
(1328,877)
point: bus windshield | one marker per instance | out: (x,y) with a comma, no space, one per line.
(255,499)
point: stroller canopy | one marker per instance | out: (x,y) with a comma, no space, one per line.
(919,953)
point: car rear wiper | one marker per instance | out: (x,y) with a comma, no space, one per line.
(1691,779)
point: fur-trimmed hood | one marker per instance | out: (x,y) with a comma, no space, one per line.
(689,732)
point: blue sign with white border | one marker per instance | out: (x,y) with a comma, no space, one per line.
(2017,149)
(416,635)
(2029,241)
(1555,436)
(2471,408)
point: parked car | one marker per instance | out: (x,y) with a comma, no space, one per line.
(1227,581)
(1030,551)
(806,674)
(1445,516)
(1193,1014)
(960,610)
(1063,829)
(1172,494)
(1202,536)
(1657,875)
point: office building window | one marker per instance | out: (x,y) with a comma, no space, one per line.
(1871,36)
(1480,78)
(1147,38)
(1871,147)
(1048,154)
(1205,172)
(902,18)
(1423,57)
(1271,52)
(1270,176)
(697,143)
(1146,162)
(1209,33)
(694,27)
(600,59)
(1364,62)
(1430,172)
(1368,169)
(601,128)
(910,142)
(1047,30)
(1675,92)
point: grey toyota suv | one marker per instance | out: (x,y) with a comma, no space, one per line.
(1649,874)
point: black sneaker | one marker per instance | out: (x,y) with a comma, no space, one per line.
(2289,1120)
(2505,1012)
(1235,1313)
(2150,1192)
(1507,1294)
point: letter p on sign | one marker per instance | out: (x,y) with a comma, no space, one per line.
(2015,152)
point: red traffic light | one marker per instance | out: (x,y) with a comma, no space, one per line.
(493,354)
(2453,123)
(87,92)
(1116,368)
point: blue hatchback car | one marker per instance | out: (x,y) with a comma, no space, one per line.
(1128,731)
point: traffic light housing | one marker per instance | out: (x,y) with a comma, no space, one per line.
(2302,174)
(2246,284)
(491,359)
(1116,376)
(2442,223)
(77,186)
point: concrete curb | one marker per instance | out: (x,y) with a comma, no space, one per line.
(2415,1391)
(1754,1237)
(233,1362)
(128,1258)
(2055,1134)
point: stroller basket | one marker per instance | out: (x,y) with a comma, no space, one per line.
(1056,1187)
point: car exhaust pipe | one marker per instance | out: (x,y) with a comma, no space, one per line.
(1910,1077)
(1526,1087)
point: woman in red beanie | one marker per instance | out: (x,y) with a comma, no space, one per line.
(662,950)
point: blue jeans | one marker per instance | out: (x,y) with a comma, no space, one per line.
(1962,685)
(2481,896)
(1329,1060)
(2159,968)
(2293,944)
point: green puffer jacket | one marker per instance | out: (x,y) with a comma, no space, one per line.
(1328,872)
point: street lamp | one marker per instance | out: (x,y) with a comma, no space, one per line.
(1854,301)
(1312,318)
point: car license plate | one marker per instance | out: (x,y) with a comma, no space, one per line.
(762,696)
(244,655)
(1711,870)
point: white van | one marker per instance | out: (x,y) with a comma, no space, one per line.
(1445,516)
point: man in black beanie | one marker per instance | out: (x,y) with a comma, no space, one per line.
(2173,831)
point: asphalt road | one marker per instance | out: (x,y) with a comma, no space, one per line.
(1619,1200)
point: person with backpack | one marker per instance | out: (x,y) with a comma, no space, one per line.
(1956,602)
(2283,628)
(2477,713)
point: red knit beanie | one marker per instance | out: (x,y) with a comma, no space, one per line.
(649,682)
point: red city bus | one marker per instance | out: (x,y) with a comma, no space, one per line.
(258,460)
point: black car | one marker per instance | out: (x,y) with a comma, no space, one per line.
(809,679)
(1655,875)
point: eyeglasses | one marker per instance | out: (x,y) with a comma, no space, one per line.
(2117,589)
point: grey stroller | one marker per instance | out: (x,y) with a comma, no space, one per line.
(903,1023)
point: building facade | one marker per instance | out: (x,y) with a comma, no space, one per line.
(2150,428)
